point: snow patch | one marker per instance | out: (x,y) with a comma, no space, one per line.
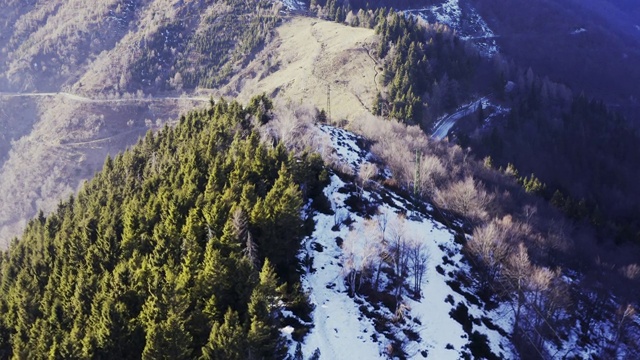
(348,325)
(346,146)
(578,31)
(467,23)
(293,4)
(340,329)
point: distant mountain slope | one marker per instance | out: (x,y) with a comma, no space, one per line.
(57,142)
(104,56)
(119,46)
(592,46)
(47,44)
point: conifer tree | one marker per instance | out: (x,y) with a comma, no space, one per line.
(227,340)
(168,339)
(262,334)
(278,221)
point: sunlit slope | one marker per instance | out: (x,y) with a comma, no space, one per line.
(309,59)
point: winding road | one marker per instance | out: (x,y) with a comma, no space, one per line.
(445,123)
(76,97)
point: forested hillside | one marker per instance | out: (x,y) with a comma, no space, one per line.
(80,80)
(217,234)
(584,154)
(120,46)
(182,246)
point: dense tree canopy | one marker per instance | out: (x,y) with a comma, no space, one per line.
(176,249)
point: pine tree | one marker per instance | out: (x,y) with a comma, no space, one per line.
(168,339)
(262,337)
(265,294)
(165,318)
(227,340)
(278,221)
(378,104)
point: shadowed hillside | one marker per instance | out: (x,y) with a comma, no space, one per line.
(590,45)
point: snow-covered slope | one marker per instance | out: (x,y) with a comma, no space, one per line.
(465,20)
(293,4)
(366,324)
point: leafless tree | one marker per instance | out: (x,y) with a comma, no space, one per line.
(624,321)
(292,124)
(338,215)
(382,220)
(467,198)
(516,276)
(631,271)
(240,224)
(489,246)
(548,296)
(358,252)
(351,19)
(377,243)
(529,211)
(398,245)
(432,173)
(366,173)
(376,229)
(418,259)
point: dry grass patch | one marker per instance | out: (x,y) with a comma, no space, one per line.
(308,55)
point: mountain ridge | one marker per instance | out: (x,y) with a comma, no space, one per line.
(548,263)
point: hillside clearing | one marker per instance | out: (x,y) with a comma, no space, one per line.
(308,56)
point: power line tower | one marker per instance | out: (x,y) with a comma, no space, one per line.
(329,103)
(416,176)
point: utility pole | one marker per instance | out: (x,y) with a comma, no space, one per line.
(329,103)
(416,177)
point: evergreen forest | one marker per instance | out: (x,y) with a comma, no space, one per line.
(181,247)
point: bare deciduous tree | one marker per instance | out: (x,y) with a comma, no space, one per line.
(432,173)
(418,259)
(366,173)
(376,230)
(467,198)
(631,271)
(516,276)
(292,124)
(548,295)
(359,251)
(624,317)
(398,245)
(489,246)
